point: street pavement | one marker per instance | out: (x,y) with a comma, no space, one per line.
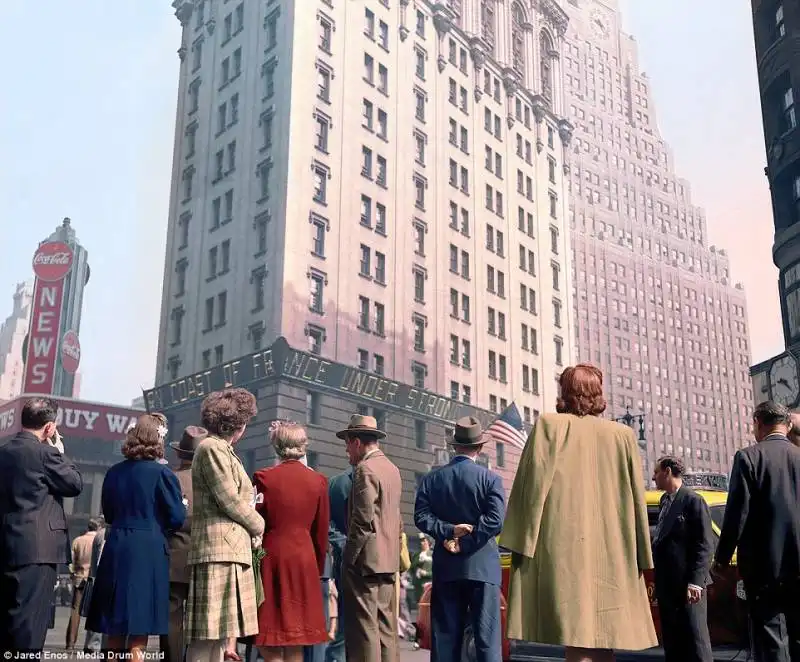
(55,644)
(56,641)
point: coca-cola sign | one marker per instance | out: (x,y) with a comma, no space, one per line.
(70,352)
(52,261)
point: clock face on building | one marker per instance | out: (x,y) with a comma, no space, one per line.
(599,24)
(784,383)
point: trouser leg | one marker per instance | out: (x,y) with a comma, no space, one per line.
(449,608)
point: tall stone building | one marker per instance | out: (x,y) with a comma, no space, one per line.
(656,305)
(12,340)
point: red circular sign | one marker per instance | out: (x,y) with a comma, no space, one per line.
(70,352)
(52,261)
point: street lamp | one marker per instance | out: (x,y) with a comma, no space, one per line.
(629,419)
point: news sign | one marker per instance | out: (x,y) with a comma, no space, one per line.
(51,264)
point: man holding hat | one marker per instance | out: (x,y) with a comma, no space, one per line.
(172,646)
(462,507)
(371,557)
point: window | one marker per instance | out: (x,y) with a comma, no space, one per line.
(194,96)
(454,390)
(323,128)
(419,193)
(383,121)
(213,253)
(266,130)
(367,112)
(180,280)
(503,369)
(317,292)
(218,354)
(420,435)
(556,276)
(363,313)
(226,256)
(188,180)
(366,211)
(553,205)
(380,268)
(419,59)
(325,34)
(197,55)
(264,170)
(318,230)
(419,333)
(369,24)
(312,408)
(419,239)
(492,365)
(208,318)
(554,240)
(383,79)
(369,69)
(500,449)
(363,359)
(366,162)
(465,307)
(420,24)
(315,338)
(558,344)
(466,354)
(177,326)
(466,394)
(260,225)
(419,143)
(465,265)
(323,83)
(237,63)
(789,116)
(453,349)
(365,261)
(418,371)
(557,313)
(381,177)
(259,278)
(269,80)
(222,308)
(379,364)
(320,184)
(501,325)
(780,26)
(380,218)
(419,285)
(419,105)
(551,163)
(380,319)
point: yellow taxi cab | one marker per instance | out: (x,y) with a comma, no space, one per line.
(727,617)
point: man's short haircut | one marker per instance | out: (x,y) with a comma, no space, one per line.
(38,412)
(771,414)
(674,464)
(364,437)
(94,524)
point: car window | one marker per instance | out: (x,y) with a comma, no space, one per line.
(652,520)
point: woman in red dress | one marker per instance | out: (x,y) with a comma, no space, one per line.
(293,500)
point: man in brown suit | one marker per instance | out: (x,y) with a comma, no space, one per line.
(81,562)
(172,645)
(371,557)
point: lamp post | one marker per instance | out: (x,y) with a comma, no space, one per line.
(629,419)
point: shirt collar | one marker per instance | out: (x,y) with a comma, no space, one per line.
(370,453)
(466,457)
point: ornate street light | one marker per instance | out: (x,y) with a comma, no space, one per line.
(629,419)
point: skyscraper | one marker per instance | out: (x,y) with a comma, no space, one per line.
(656,305)
(12,339)
(382,183)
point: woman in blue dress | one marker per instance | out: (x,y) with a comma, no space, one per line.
(142,503)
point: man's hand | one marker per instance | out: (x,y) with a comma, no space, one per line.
(693,594)
(462,530)
(57,443)
(452,546)
(255,541)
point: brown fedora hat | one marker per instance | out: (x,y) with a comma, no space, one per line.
(468,432)
(192,436)
(362,425)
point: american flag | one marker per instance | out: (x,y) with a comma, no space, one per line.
(508,427)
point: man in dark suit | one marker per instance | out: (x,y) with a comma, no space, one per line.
(683,546)
(371,557)
(338,492)
(173,646)
(34,478)
(462,506)
(762,519)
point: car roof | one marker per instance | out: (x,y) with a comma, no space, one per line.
(711,497)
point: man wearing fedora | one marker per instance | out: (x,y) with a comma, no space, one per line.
(371,558)
(172,645)
(462,506)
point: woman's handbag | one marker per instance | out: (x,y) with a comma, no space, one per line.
(258,554)
(86,599)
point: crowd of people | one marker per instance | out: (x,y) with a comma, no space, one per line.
(300,567)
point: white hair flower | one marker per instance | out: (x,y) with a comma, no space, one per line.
(162,432)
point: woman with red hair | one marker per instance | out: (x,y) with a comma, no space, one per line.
(577,526)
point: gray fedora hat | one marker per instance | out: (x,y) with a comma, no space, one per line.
(192,436)
(362,425)
(468,432)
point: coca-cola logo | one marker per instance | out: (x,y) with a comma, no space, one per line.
(70,352)
(52,261)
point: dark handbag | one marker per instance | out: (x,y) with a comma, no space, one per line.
(86,599)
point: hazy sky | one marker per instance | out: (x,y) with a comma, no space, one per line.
(86,127)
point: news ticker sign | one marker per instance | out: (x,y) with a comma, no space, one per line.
(51,264)
(75,418)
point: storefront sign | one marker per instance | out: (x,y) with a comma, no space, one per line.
(75,418)
(317,373)
(706,481)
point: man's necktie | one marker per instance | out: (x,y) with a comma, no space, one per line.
(664,505)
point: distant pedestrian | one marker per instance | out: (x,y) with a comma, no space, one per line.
(683,546)
(339,488)
(142,503)
(578,531)
(462,506)
(173,645)
(762,522)
(421,566)
(34,479)
(81,563)
(95,641)
(372,551)
(222,606)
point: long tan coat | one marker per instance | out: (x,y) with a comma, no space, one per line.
(222,592)
(577,522)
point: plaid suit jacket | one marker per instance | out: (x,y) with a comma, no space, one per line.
(223,517)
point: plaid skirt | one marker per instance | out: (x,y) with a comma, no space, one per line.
(221,602)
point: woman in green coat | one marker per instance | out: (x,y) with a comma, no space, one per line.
(422,566)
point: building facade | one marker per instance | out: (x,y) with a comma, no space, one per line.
(12,341)
(656,305)
(776,26)
(405,212)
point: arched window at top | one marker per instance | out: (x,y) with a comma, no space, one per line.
(517,39)
(545,50)
(488,23)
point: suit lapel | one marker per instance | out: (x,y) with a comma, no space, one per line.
(675,509)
